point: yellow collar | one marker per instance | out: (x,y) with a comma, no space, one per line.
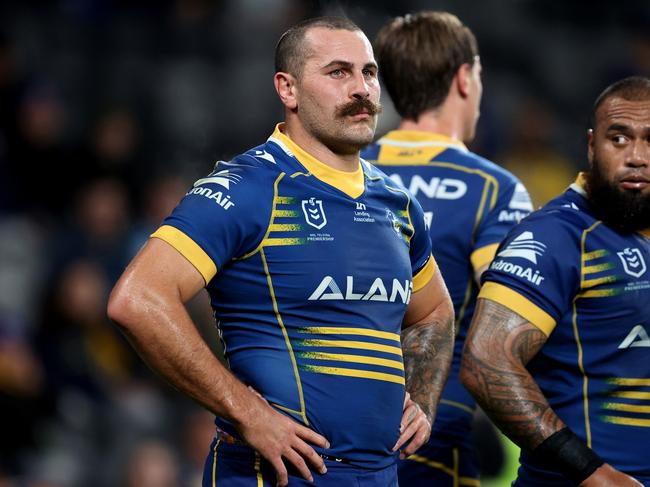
(417,138)
(581,183)
(351,183)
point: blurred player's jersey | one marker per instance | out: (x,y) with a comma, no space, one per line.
(587,288)
(469,204)
(310,270)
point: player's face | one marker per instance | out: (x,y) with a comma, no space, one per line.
(475,94)
(620,143)
(338,93)
(619,153)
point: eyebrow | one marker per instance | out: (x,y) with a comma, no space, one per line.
(619,127)
(348,65)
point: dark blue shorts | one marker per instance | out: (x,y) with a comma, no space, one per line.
(443,462)
(231,465)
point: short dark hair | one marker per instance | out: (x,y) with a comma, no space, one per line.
(291,52)
(633,88)
(418,57)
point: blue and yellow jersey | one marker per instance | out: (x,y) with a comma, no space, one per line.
(469,204)
(310,270)
(587,288)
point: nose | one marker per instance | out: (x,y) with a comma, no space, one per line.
(639,155)
(360,88)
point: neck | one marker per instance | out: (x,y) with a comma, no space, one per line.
(445,120)
(340,161)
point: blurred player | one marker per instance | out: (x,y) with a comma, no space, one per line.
(430,65)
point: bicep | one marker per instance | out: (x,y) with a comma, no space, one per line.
(498,335)
(161,271)
(432,299)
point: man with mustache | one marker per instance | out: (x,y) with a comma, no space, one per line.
(336,325)
(430,65)
(558,353)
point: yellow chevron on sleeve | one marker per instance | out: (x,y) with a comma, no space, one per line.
(483,256)
(425,274)
(519,304)
(188,249)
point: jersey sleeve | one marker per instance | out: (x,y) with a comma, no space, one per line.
(512,204)
(224,215)
(423,264)
(536,271)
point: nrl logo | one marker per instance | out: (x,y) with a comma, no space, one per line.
(314,213)
(633,262)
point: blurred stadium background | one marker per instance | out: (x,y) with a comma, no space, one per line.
(110,109)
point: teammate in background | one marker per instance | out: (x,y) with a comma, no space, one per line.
(316,263)
(430,65)
(557,353)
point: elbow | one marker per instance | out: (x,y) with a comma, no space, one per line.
(121,308)
(469,373)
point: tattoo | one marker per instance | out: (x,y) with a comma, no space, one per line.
(427,350)
(499,345)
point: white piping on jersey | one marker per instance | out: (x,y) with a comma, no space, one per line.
(426,143)
(282,145)
(578,189)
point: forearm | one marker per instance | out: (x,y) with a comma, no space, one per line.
(494,371)
(428,348)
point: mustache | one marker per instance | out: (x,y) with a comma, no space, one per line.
(358,106)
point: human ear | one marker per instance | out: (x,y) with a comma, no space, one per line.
(285,85)
(463,79)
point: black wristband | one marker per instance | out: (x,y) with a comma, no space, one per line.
(568,453)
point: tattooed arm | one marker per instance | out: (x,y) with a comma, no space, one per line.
(427,345)
(498,346)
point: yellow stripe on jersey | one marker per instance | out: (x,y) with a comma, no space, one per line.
(285,227)
(363,374)
(395,350)
(645,232)
(593,269)
(630,408)
(285,214)
(451,471)
(334,330)
(272,242)
(627,421)
(594,254)
(359,359)
(519,304)
(483,256)
(425,274)
(624,381)
(351,183)
(599,293)
(399,155)
(631,395)
(188,249)
(589,283)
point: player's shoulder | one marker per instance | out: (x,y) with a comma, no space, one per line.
(471,160)
(251,173)
(567,214)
